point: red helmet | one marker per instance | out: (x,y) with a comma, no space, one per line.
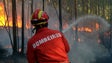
(39,17)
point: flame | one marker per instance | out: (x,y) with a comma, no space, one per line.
(87,28)
(2,15)
(28,25)
(3,18)
(19,22)
(97,26)
(84,28)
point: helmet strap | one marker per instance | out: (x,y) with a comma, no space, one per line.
(36,28)
(40,26)
(33,30)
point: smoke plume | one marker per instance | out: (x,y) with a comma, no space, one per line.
(85,47)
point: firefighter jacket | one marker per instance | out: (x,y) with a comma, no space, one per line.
(47,46)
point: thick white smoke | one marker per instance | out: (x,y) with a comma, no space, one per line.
(87,49)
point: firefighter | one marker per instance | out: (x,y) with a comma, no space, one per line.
(47,45)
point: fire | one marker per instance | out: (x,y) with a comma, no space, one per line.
(97,26)
(2,15)
(19,22)
(3,18)
(28,25)
(86,29)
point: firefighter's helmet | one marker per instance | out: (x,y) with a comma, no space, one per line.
(39,17)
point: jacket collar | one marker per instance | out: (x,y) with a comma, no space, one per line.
(42,29)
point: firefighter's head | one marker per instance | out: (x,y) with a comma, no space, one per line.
(39,19)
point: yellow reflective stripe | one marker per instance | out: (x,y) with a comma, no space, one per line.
(40,14)
(41,23)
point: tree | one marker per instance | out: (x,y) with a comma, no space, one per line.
(22,44)
(14,17)
(75,6)
(7,22)
(60,15)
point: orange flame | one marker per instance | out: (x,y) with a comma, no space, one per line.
(86,29)
(2,15)
(3,18)
(97,26)
(28,25)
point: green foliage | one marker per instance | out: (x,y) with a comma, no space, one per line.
(83,7)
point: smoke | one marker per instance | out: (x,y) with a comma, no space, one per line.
(3,52)
(89,20)
(4,39)
(88,48)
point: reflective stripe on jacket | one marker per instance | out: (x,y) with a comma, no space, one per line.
(47,46)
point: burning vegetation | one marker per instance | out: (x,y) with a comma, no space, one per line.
(85,29)
(7,21)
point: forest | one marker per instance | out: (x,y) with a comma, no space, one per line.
(16,30)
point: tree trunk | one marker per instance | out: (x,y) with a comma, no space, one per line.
(31,6)
(60,16)
(43,5)
(75,8)
(7,29)
(14,19)
(76,34)
(31,13)
(22,44)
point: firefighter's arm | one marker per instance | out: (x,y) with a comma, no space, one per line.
(67,48)
(30,54)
